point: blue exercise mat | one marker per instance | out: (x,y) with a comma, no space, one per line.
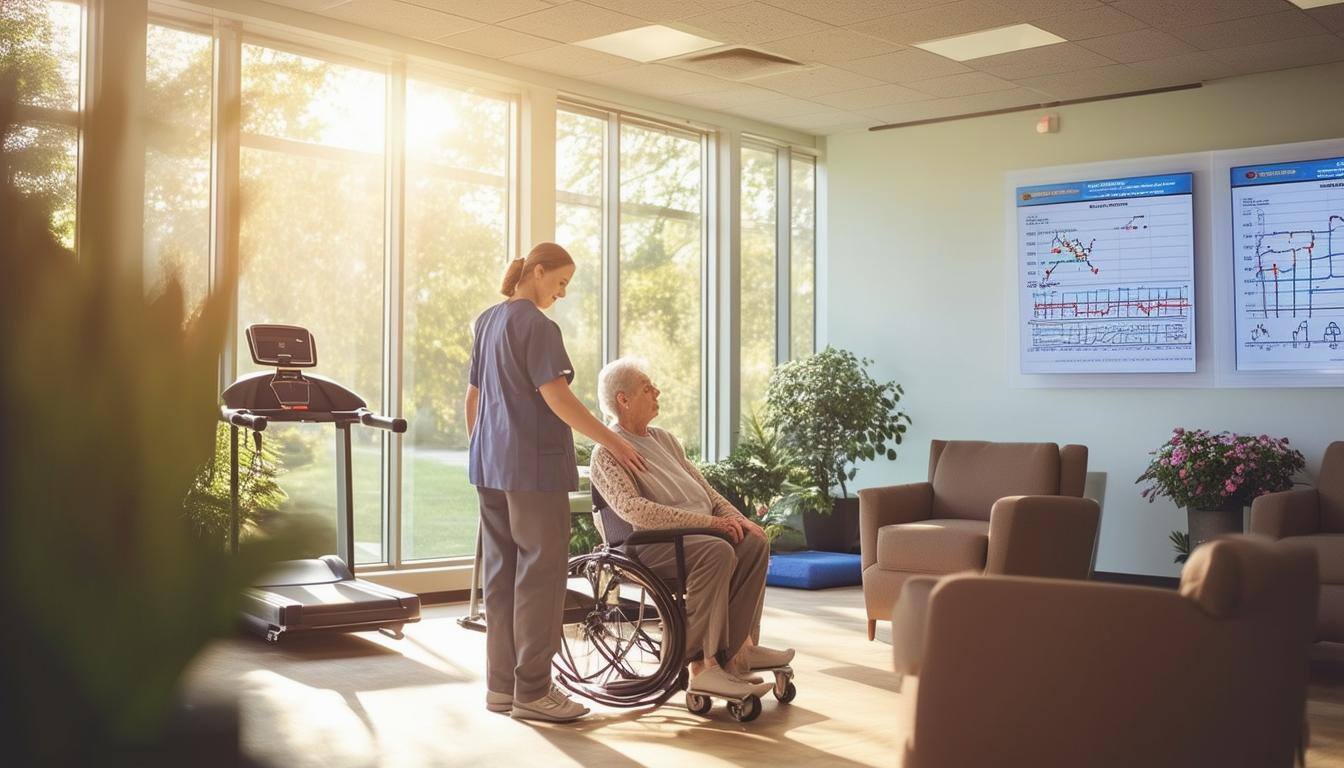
(814,570)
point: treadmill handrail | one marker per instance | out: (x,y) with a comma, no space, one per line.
(241,417)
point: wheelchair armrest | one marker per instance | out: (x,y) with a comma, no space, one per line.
(668,535)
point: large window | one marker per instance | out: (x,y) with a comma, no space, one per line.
(579,155)
(661,258)
(457,197)
(311,254)
(178,74)
(40,43)
(758,210)
(802,257)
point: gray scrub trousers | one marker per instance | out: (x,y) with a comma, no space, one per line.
(521,461)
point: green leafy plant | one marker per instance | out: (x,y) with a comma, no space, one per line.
(1198,469)
(1180,541)
(208,504)
(111,406)
(758,476)
(830,414)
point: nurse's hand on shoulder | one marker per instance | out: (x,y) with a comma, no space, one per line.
(625,453)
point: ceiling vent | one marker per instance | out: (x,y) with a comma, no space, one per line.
(737,63)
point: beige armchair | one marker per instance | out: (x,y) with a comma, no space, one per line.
(1005,508)
(1021,672)
(1314,518)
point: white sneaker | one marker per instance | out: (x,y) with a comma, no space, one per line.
(716,681)
(498,702)
(554,707)
(761,657)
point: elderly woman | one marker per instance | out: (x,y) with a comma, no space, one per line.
(725,583)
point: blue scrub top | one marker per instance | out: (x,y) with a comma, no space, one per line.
(519,443)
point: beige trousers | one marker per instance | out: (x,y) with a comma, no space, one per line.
(725,590)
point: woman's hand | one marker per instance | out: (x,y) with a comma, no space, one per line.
(754,529)
(729,525)
(626,454)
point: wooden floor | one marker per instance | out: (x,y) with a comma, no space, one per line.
(366,700)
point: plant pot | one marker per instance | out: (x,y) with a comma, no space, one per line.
(1205,524)
(834,532)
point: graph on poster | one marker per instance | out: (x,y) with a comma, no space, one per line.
(1106,272)
(1288,231)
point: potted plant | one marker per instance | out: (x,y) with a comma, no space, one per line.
(1213,476)
(208,506)
(758,476)
(830,415)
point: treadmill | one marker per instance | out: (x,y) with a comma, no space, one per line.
(322,594)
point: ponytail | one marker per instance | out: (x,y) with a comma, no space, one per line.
(546,255)
(512,276)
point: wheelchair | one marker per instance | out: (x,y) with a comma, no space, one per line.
(624,639)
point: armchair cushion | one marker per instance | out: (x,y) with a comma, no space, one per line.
(1329,549)
(933,546)
(971,475)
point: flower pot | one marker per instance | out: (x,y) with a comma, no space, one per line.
(834,532)
(1208,523)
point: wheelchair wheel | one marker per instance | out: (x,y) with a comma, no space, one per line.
(624,637)
(697,704)
(748,710)
(790,691)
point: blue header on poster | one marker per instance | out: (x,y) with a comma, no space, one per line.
(1279,173)
(1106,189)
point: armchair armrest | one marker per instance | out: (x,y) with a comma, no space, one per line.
(668,535)
(1286,513)
(1049,536)
(888,505)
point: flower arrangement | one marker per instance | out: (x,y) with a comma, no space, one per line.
(1198,469)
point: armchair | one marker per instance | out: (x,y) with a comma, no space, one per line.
(1314,518)
(1021,672)
(1004,508)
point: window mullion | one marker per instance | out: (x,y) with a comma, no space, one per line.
(783,254)
(611,240)
(394,241)
(224,181)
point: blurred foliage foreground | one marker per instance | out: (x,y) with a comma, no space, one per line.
(110,407)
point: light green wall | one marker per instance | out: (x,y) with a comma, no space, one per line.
(915,280)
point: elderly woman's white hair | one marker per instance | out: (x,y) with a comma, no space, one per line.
(620,375)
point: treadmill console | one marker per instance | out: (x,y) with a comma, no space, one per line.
(288,348)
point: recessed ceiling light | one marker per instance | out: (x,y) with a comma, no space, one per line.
(649,43)
(991,41)
(1304,4)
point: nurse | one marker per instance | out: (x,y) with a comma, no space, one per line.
(520,411)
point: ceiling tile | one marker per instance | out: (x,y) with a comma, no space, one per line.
(962,85)
(569,60)
(1283,54)
(1257,29)
(845,12)
(959,105)
(658,80)
(1030,10)
(832,46)
(753,23)
(1176,13)
(401,18)
(827,122)
(876,96)
(489,11)
(1186,68)
(737,96)
(658,10)
(1137,46)
(942,21)
(572,22)
(1080,25)
(495,42)
(906,65)
(777,108)
(1034,62)
(1099,81)
(1331,17)
(814,82)
(307,5)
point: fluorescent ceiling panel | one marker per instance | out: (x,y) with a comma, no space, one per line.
(649,43)
(991,41)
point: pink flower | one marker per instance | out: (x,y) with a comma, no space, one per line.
(1182,474)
